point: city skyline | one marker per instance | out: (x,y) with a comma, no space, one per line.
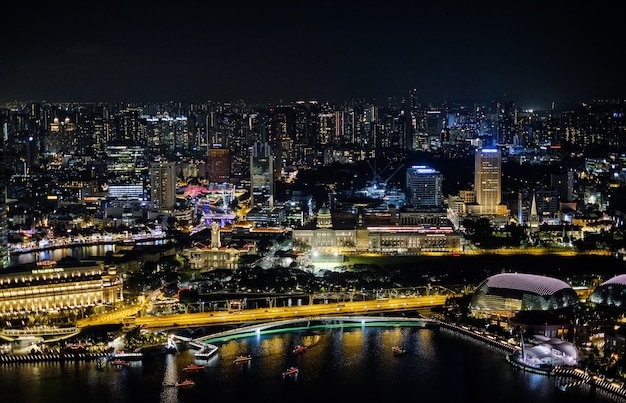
(533,55)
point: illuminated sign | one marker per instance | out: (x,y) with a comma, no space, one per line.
(44,271)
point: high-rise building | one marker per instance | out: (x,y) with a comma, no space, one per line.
(163,185)
(424,186)
(126,168)
(262,175)
(218,167)
(129,126)
(487,183)
(563,183)
(4,250)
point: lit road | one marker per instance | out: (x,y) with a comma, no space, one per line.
(289,312)
(267,314)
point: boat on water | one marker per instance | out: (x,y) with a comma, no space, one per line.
(122,355)
(187,383)
(193,368)
(291,372)
(242,358)
(120,363)
(398,350)
(300,349)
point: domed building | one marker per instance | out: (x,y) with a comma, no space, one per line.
(611,293)
(504,295)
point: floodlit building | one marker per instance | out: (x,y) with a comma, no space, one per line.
(424,186)
(50,287)
(488,183)
(505,295)
(611,293)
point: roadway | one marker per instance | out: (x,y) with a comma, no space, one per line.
(289,312)
(234,317)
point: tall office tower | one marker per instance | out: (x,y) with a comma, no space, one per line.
(62,136)
(129,126)
(126,169)
(262,175)
(163,185)
(563,183)
(547,203)
(424,186)
(487,182)
(218,166)
(4,249)
(306,127)
(169,135)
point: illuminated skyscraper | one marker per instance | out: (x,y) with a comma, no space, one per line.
(218,167)
(487,183)
(127,169)
(262,175)
(163,185)
(424,186)
(4,251)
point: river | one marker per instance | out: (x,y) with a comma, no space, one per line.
(340,364)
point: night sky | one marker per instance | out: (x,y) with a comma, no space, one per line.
(530,52)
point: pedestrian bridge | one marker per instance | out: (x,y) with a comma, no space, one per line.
(307,323)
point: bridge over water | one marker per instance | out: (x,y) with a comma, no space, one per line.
(312,323)
(389,306)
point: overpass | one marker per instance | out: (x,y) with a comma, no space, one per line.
(129,316)
(277,314)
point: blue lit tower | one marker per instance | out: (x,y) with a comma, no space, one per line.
(424,186)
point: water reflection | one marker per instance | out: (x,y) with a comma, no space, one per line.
(78,252)
(341,364)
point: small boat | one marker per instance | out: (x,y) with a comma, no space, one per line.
(398,350)
(291,372)
(300,349)
(120,363)
(187,383)
(242,358)
(193,368)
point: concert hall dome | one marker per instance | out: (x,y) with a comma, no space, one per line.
(611,293)
(508,293)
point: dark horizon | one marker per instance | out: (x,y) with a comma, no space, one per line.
(261,53)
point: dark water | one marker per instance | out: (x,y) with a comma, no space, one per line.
(78,252)
(341,365)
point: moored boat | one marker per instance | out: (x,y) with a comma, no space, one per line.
(291,372)
(187,383)
(398,350)
(120,363)
(300,349)
(242,358)
(193,368)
